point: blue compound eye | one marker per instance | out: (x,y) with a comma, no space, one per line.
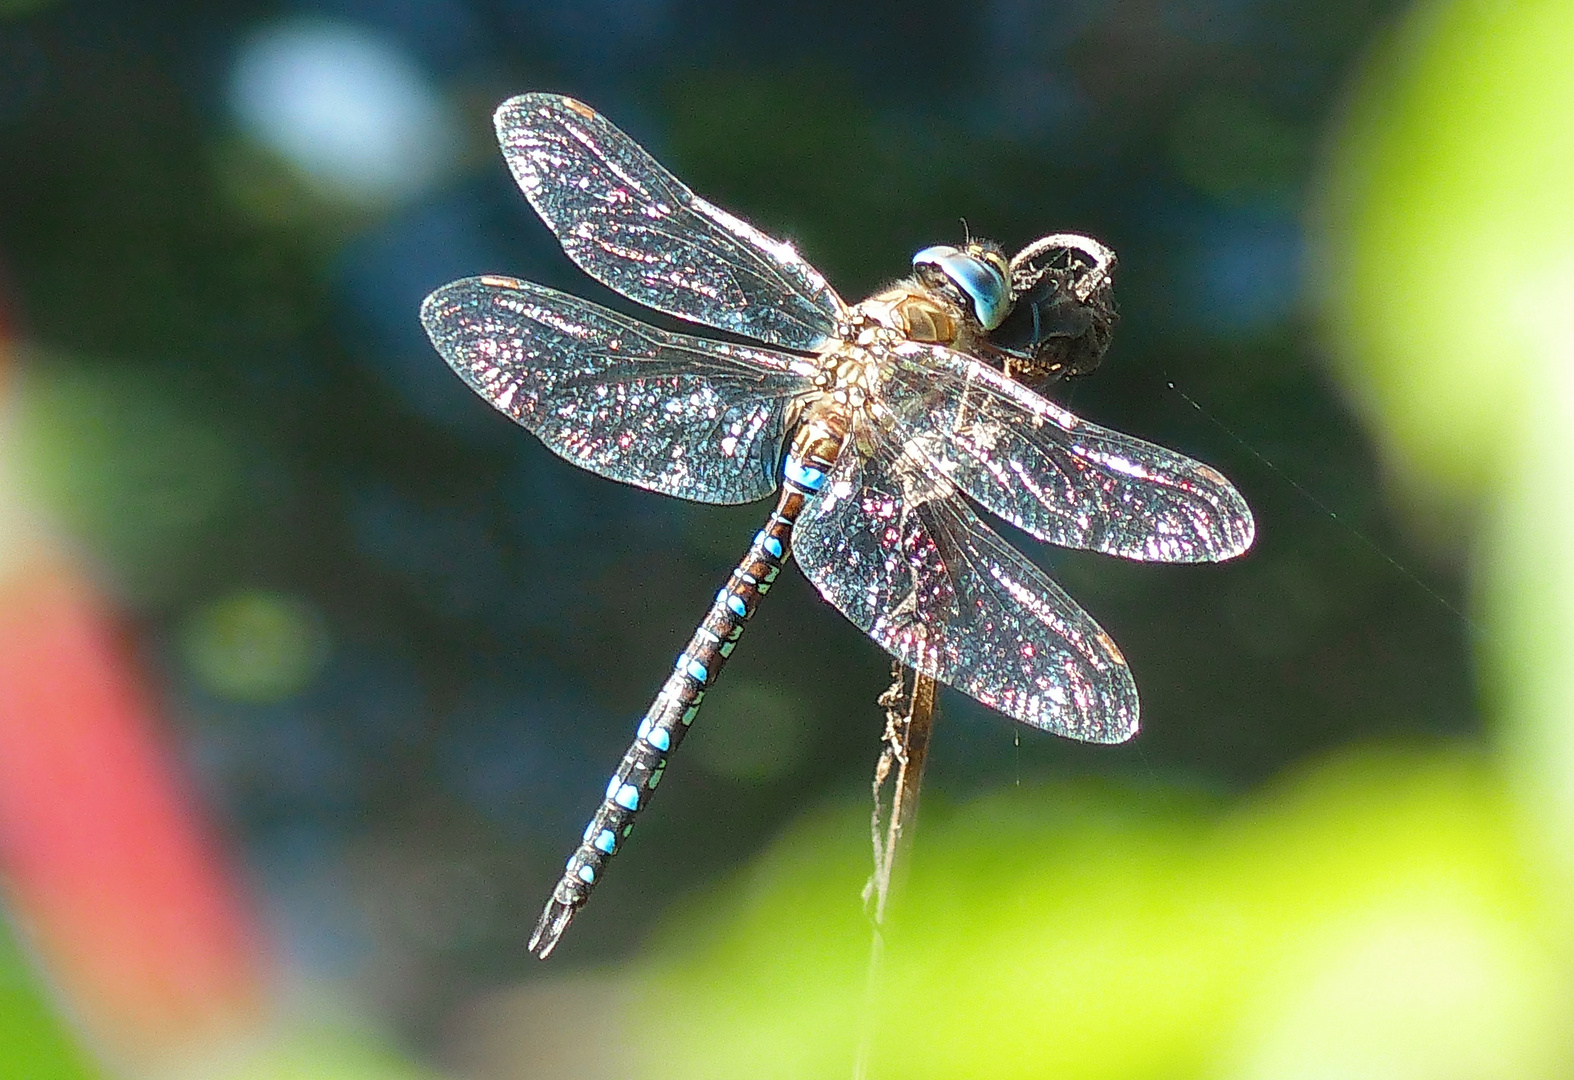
(979,281)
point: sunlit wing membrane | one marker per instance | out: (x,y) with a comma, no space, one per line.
(686,416)
(632,225)
(1051,473)
(900,553)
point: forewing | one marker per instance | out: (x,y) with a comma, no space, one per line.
(1052,473)
(899,552)
(632,225)
(682,415)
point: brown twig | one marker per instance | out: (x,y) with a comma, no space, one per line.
(909,718)
(909,705)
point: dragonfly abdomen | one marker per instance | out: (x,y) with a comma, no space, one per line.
(667,720)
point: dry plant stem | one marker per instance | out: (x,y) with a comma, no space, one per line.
(909,706)
(909,718)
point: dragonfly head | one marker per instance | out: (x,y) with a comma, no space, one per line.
(978,271)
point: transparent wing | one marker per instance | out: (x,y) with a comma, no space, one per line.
(897,550)
(682,415)
(632,225)
(1051,473)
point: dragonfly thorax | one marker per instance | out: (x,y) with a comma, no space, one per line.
(914,313)
(848,373)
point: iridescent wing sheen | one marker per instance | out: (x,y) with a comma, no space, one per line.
(1051,473)
(633,226)
(686,416)
(896,548)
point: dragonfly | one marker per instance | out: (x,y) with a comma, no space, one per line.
(877,426)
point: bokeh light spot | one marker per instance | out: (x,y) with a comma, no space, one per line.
(125,465)
(349,110)
(1431,987)
(1448,233)
(255,646)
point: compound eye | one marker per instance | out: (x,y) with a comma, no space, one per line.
(935,256)
(985,284)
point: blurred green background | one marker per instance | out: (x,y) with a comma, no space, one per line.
(311,665)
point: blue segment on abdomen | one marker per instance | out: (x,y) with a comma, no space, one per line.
(805,476)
